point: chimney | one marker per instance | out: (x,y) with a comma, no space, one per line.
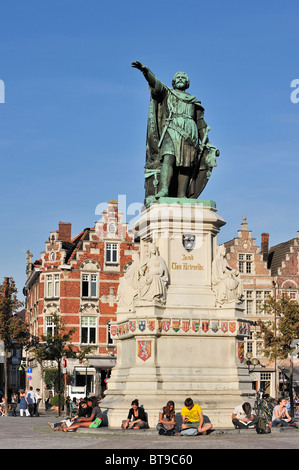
(65,231)
(265,245)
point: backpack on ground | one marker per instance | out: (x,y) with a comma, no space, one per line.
(166,432)
(189,432)
(262,426)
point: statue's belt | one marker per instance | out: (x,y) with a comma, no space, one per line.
(183,115)
(151,172)
(184,134)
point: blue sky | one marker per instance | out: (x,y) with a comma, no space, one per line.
(73,124)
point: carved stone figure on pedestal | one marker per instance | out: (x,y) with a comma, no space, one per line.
(154,278)
(175,126)
(226,282)
(128,284)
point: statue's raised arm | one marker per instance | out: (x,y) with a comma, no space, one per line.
(177,165)
(149,76)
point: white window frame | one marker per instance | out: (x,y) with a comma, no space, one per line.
(250,343)
(50,326)
(56,285)
(90,324)
(92,282)
(111,249)
(254,300)
(291,293)
(52,286)
(245,263)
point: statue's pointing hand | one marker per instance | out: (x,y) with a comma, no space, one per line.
(139,66)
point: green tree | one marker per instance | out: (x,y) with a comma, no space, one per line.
(279,334)
(51,378)
(56,346)
(13,331)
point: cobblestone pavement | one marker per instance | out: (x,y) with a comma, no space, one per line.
(34,433)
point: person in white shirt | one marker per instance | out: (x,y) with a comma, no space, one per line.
(38,399)
(281,416)
(243,417)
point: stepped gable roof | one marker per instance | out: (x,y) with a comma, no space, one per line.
(277,254)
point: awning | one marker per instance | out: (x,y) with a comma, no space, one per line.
(295,373)
(102,363)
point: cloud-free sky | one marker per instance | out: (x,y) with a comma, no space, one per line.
(73,124)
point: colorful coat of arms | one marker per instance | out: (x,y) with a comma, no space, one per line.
(165,325)
(113,330)
(132,325)
(224,326)
(141,325)
(195,325)
(151,325)
(214,326)
(185,325)
(205,326)
(244,328)
(232,326)
(159,327)
(144,350)
(123,329)
(176,325)
(241,351)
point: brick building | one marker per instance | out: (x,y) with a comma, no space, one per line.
(78,278)
(265,271)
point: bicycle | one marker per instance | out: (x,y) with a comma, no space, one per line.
(263,407)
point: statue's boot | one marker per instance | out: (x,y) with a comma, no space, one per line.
(162,193)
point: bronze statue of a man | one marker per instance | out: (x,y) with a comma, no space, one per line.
(175,126)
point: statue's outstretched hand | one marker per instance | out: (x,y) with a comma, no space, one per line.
(139,66)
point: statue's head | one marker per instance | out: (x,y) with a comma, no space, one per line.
(221,250)
(180,81)
(152,248)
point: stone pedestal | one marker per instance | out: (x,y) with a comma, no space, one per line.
(184,345)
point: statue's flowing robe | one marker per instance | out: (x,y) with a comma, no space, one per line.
(153,282)
(128,285)
(224,283)
(182,116)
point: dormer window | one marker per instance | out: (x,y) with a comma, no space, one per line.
(245,263)
(111,253)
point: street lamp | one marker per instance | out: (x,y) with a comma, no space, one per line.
(252,361)
(86,364)
(283,374)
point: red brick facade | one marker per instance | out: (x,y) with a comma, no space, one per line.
(78,278)
(265,271)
